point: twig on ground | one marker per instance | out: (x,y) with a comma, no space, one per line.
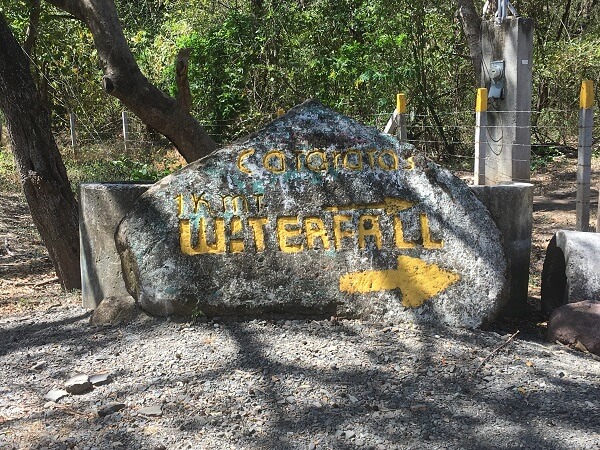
(494,352)
(45,282)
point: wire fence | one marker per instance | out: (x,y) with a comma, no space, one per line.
(444,136)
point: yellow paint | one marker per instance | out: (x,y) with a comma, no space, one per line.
(274,155)
(338,232)
(371,154)
(321,166)
(314,228)
(382,162)
(289,228)
(280,112)
(481,102)
(203,247)
(358,164)
(179,200)
(258,198)
(368,225)
(236,245)
(391,205)
(258,229)
(417,280)
(238,203)
(586,95)
(401,103)
(428,242)
(411,163)
(198,200)
(399,235)
(242,157)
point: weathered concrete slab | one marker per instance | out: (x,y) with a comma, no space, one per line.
(101,208)
(570,273)
(511,207)
(315,214)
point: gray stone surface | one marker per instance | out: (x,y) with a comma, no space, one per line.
(55,395)
(315,214)
(110,408)
(114,310)
(511,207)
(78,384)
(570,273)
(576,323)
(151,411)
(101,208)
(100,379)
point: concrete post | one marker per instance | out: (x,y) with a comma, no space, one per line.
(584,155)
(508,117)
(396,125)
(101,208)
(480,136)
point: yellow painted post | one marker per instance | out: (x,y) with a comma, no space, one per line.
(396,125)
(280,112)
(401,118)
(584,155)
(480,136)
(401,103)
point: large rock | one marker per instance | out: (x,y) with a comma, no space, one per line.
(315,214)
(570,273)
(114,310)
(576,322)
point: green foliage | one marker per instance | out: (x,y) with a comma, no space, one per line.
(135,170)
(9,180)
(250,58)
(115,166)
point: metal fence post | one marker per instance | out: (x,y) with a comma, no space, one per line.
(125,128)
(480,136)
(584,155)
(73,126)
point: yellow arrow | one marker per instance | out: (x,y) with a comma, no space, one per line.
(417,280)
(391,205)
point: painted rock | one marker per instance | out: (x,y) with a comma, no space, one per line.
(314,214)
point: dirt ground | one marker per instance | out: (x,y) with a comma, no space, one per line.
(27,279)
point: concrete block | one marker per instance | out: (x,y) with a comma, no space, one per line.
(101,208)
(570,272)
(511,207)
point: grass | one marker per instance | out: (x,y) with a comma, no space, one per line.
(101,164)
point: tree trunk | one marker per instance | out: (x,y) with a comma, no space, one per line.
(43,176)
(471,24)
(184,95)
(124,80)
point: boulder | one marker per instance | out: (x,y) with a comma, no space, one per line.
(576,323)
(114,310)
(315,214)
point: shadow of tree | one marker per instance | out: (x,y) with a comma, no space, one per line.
(284,384)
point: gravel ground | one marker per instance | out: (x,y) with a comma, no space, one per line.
(281,384)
